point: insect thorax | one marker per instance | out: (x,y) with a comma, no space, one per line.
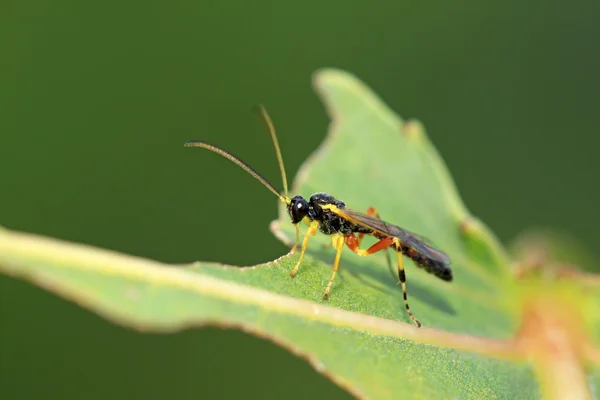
(331,223)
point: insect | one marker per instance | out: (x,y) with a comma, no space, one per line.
(322,212)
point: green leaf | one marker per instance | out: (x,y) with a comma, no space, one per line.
(487,334)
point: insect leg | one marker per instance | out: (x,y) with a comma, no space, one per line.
(373,211)
(402,277)
(338,243)
(312,230)
(352,243)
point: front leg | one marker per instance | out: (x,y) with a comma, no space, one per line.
(312,230)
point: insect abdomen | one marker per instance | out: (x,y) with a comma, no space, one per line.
(433,266)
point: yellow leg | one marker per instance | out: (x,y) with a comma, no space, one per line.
(402,277)
(338,243)
(312,230)
(297,226)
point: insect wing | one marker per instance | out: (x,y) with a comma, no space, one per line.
(408,238)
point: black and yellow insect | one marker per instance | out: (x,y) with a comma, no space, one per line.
(330,216)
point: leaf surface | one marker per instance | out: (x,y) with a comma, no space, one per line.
(486,333)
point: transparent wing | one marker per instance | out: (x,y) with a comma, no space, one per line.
(408,238)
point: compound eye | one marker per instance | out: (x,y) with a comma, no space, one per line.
(298,209)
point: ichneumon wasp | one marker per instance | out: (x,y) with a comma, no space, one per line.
(322,212)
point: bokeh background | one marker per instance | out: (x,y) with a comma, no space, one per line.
(97,99)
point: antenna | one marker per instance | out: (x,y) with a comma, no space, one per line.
(260,109)
(241,164)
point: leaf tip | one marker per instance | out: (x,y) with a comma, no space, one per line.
(477,233)
(467,226)
(326,80)
(325,76)
(413,129)
(472,228)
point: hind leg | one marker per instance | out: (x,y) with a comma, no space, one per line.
(372,211)
(353,243)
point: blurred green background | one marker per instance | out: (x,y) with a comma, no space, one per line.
(97,99)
